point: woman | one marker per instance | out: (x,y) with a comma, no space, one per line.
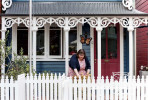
(79,64)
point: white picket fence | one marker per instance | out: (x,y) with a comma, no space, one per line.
(64,88)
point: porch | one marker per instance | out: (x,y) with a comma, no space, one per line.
(97,23)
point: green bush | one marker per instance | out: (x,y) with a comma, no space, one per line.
(15,66)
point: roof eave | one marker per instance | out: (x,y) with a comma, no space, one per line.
(75,15)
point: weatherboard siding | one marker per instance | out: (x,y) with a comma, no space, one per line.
(51,66)
(86,30)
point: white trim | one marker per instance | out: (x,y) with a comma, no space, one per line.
(52,59)
(99,29)
(121,50)
(3,49)
(6,4)
(135,60)
(92,50)
(29,41)
(66,32)
(14,40)
(46,39)
(131,52)
(131,59)
(79,32)
(128,4)
(34,50)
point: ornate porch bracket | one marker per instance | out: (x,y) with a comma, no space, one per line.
(70,22)
(128,4)
(6,4)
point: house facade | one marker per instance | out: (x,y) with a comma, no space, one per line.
(142,38)
(58,28)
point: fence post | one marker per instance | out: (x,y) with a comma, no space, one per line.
(20,87)
(65,85)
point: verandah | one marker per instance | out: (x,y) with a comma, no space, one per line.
(69,22)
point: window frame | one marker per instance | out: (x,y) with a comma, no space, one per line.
(46,56)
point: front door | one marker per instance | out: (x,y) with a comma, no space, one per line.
(110,52)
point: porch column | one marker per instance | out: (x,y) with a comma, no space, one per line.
(34,30)
(130,29)
(3,51)
(34,50)
(99,29)
(66,30)
(3,31)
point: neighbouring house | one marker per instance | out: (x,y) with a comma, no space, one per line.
(142,38)
(58,26)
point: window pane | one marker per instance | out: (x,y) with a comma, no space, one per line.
(112,42)
(22,41)
(40,42)
(72,42)
(55,42)
(103,44)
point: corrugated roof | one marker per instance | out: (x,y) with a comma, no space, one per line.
(71,8)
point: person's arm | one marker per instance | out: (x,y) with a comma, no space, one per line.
(88,71)
(76,71)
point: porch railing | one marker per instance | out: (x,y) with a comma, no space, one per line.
(53,87)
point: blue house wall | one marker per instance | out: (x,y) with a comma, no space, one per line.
(71,0)
(51,66)
(86,30)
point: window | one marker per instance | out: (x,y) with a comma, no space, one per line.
(50,42)
(109,43)
(22,40)
(73,41)
(55,40)
(40,42)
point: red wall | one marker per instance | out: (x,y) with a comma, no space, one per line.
(142,38)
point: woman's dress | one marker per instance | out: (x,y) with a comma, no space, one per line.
(82,69)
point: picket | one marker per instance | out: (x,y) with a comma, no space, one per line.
(142,88)
(138,88)
(11,88)
(39,86)
(146,88)
(47,87)
(60,87)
